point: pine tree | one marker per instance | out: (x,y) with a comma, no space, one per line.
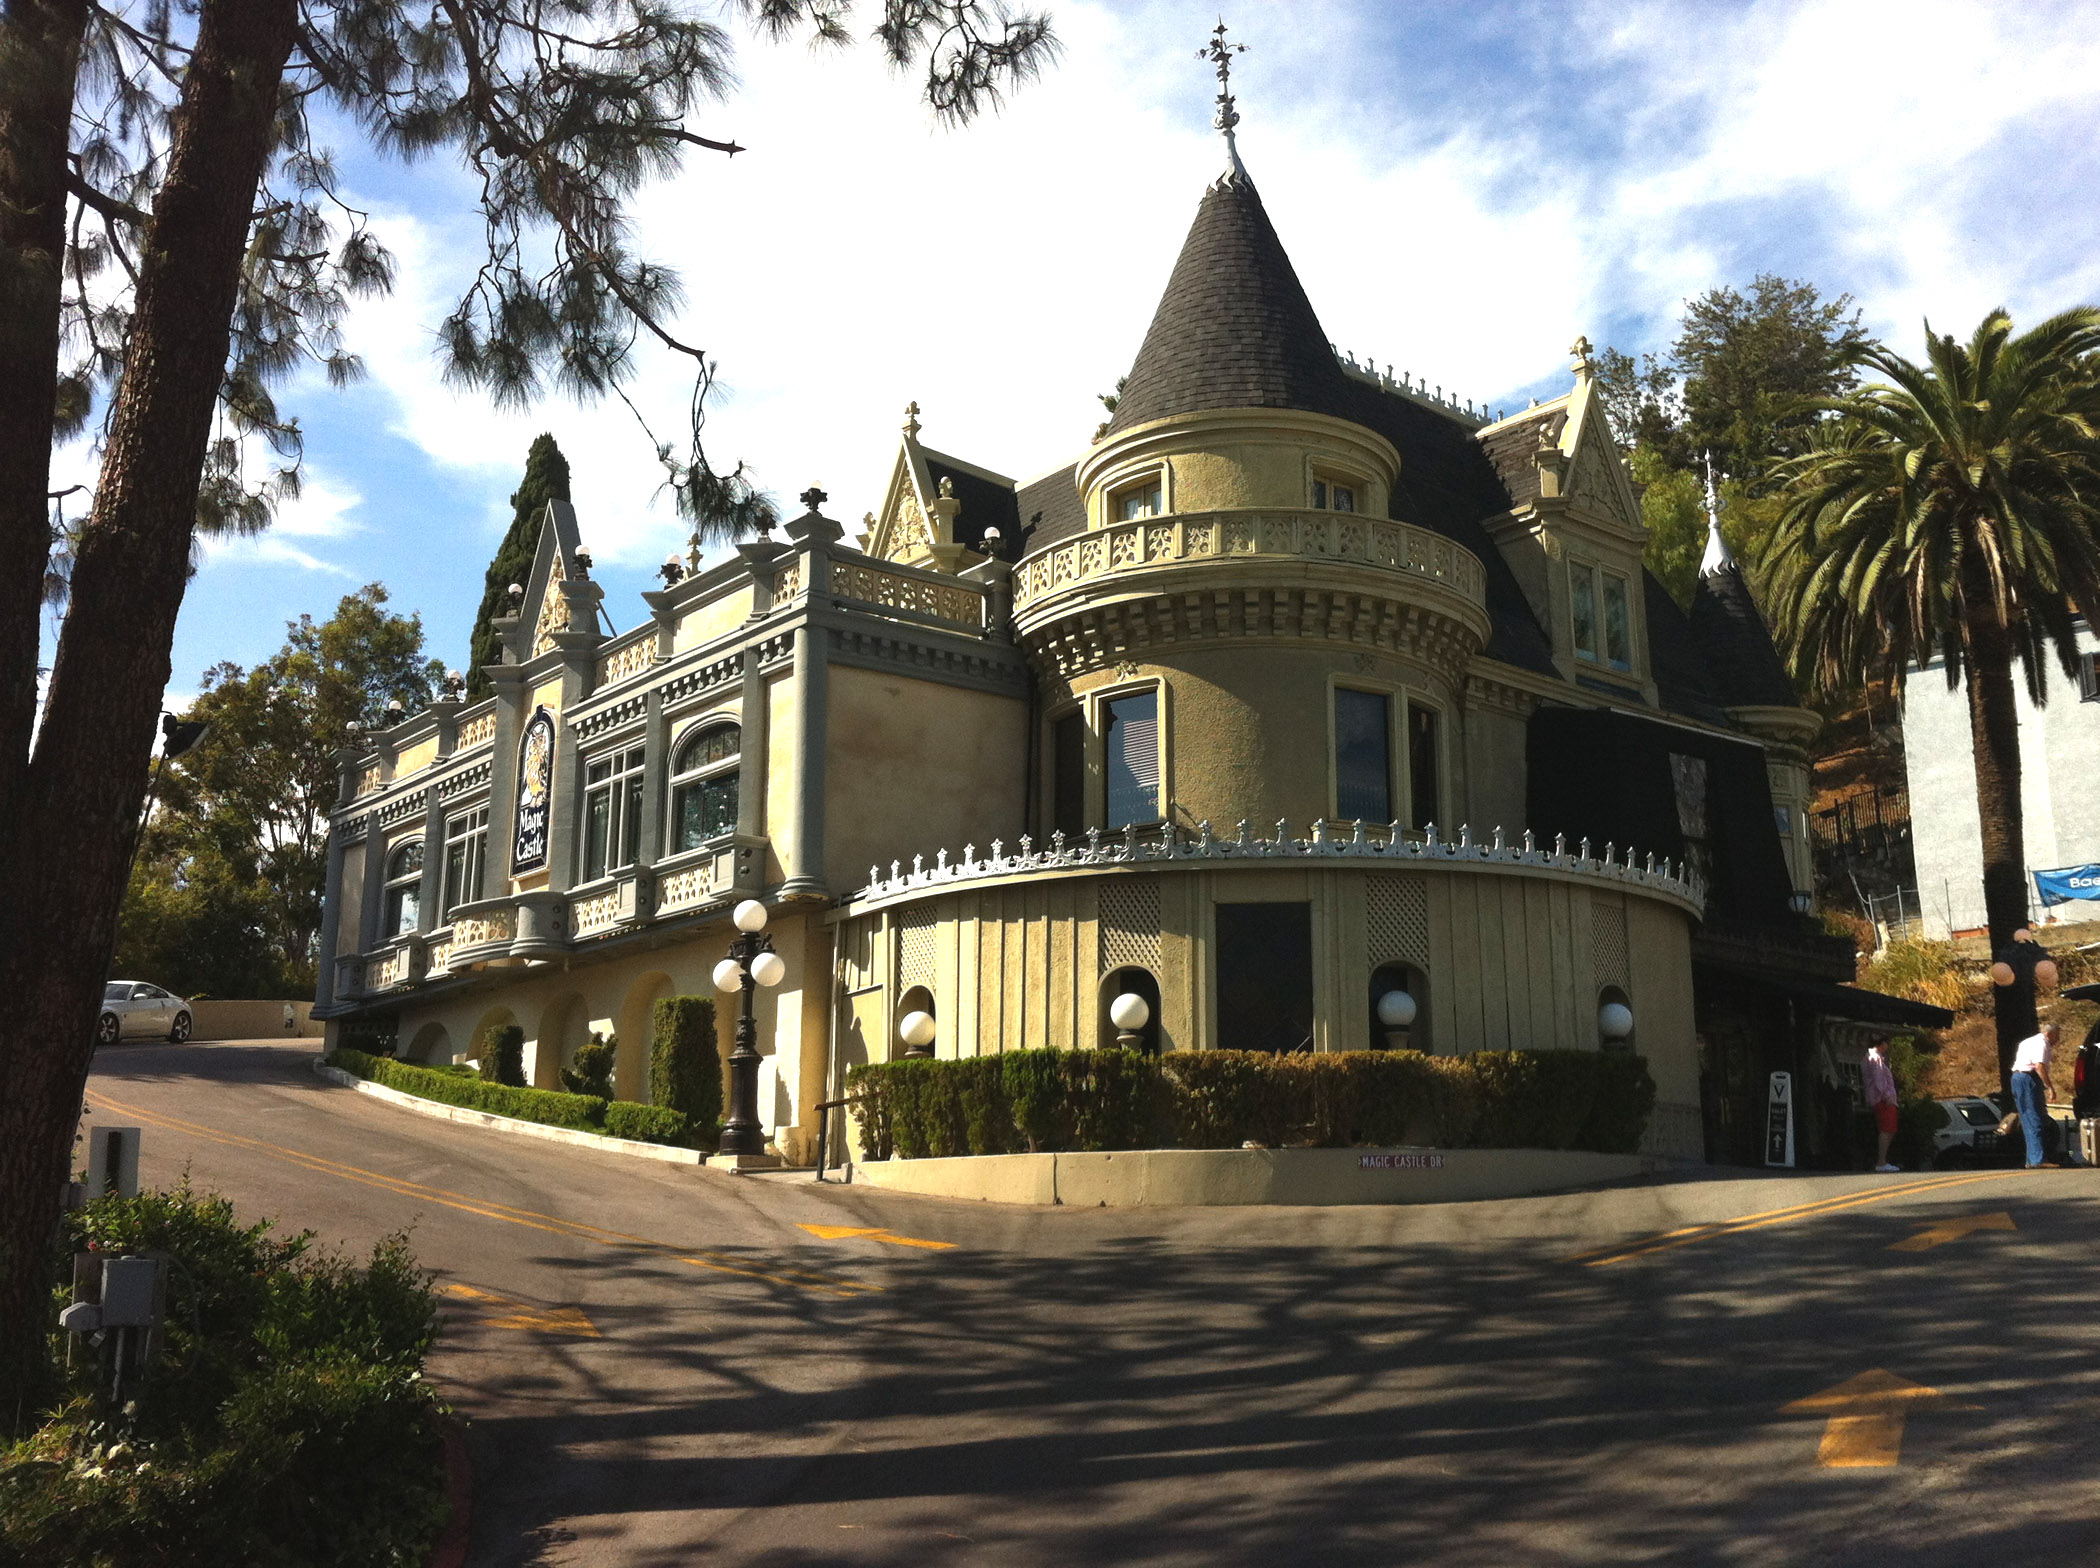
(546,479)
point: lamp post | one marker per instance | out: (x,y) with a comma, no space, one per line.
(751,962)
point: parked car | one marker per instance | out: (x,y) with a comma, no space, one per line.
(132,1007)
(1969,1135)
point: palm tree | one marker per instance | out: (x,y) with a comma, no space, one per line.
(1954,511)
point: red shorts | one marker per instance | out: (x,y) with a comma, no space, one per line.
(1885,1118)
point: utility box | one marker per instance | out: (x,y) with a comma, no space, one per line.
(130,1292)
(113,1162)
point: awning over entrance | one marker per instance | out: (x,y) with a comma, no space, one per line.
(1846,1001)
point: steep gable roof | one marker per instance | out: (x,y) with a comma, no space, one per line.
(1234,328)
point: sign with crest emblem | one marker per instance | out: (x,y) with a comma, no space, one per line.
(528,846)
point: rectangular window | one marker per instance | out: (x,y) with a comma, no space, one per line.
(1618,624)
(1422,766)
(1264,977)
(1363,782)
(466,849)
(1583,588)
(1140,500)
(1133,759)
(612,813)
(1068,775)
(1328,495)
(706,809)
(2089,677)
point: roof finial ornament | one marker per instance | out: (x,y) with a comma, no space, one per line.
(1580,348)
(1220,54)
(911,419)
(1719,558)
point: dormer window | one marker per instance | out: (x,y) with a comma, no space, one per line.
(1143,499)
(1332,495)
(1605,638)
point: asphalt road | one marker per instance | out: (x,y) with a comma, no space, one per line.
(665,1366)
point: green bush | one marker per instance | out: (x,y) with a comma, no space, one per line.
(503,1056)
(1053,1101)
(685,1064)
(644,1123)
(286,1421)
(592,1076)
(586,1113)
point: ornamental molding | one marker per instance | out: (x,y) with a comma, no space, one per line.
(462,781)
(477,731)
(629,711)
(1370,846)
(970,665)
(401,808)
(554,610)
(944,601)
(704,678)
(625,663)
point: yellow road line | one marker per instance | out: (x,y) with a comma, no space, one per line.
(522,1315)
(1787,1216)
(488,1208)
(1841,1199)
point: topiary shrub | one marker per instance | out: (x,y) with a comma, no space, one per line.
(685,1064)
(592,1073)
(503,1056)
(644,1123)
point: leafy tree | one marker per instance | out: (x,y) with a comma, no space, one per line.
(252,798)
(193,924)
(1949,513)
(173,242)
(546,479)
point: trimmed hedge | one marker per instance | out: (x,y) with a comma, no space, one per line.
(1051,1101)
(685,1064)
(584,1112)
(503,1056)
(644,1123)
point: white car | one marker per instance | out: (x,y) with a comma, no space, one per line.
(132,1007)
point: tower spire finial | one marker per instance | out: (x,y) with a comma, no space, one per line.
(1718,558)
(1220,54)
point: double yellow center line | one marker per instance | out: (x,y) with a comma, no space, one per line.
(1619,1252)
(488,1208)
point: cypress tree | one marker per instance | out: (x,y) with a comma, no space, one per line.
(546,479)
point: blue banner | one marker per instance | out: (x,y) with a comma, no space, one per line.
(2068,882)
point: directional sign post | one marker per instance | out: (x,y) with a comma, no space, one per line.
(1779,1122)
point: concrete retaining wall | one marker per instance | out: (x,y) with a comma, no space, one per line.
(238,1020)
(1169,1177)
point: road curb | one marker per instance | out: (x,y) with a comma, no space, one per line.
(451,1548)
(662,1153)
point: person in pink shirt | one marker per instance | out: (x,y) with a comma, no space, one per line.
(1881,1099)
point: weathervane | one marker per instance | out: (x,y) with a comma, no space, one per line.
(1220,54)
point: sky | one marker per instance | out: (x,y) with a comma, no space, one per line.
(1463,189)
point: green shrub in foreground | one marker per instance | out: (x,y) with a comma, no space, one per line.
(287,1421)
(1054,1101)
(644,1123)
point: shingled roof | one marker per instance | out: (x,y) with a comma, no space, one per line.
(985,504)
(1234,328)
(1745,668)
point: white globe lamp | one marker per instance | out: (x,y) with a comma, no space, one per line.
(729,976)
(768,969)
(750,916)
(916,1031)
(1615,1022)
(1396,1013)
(1129,1013)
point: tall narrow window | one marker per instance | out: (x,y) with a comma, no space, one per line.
(612,813)
(1142,499)
(1422,766)
(704,786)
(404,889)
(1363,781)
(466,849)
(1133,759)
(1618,624)
(1583,594)
(1068,775)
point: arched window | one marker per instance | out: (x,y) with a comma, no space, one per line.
(1412,1035)
(404,888)
(703,786)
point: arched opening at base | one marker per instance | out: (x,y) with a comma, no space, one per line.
(431,1046)
(1396,1025)
(1109,1031)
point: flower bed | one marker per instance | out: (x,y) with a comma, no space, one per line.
(1053,1101)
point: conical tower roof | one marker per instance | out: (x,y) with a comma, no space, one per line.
(1234,328)
(1732,634)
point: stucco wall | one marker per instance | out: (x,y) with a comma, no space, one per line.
(2059,792)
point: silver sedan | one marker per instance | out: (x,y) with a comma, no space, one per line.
(132,1007)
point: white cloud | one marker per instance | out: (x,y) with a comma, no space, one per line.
(323,509)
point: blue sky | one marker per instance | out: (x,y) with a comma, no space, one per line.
(1462,188)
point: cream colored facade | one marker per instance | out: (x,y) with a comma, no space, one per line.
(926,757)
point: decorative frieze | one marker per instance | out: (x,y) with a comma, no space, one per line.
(477,731)
(957,602)
(624,663)
(687,889)
(603,911)
(464,780)
(629,711)
(438,957)
(689,683)
(499,925)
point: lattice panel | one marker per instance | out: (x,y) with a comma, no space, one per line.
(1397,920)
(1130,923)
(1608,962)
(916,946)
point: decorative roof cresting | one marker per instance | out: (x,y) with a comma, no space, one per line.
(1220,54)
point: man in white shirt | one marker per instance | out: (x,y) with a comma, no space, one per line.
(2030,1087)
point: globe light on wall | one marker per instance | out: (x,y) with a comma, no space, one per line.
(729,976)
(750,916)
(768,969)
(1615,1023)
(916,1031)
(2045,974)
(1129,1013)
(1396,1014)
